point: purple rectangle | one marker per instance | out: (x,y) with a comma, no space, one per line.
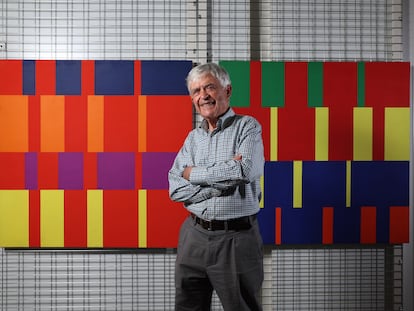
(155,167)
(70,170)
(116,170)
(30,170)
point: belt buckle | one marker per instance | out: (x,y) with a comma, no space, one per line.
(210,225)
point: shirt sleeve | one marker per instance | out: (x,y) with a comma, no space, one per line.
(182,190)
(230,173)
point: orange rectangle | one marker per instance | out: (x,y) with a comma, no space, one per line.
(278,226)
(327,225)
(52,123)
(368,231)
(95,123)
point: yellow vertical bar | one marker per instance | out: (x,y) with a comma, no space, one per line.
(297,184)
(14,218)
(52,123)
(142,123)
(95,123)
(52,218)
(321,133)
(348,183)
(261,203)
(273,134)
(142,218)
(397,134)
(363,134)
(95,218)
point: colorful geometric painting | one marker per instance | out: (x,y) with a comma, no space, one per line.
(85,147)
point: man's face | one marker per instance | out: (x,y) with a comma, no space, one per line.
(209,97)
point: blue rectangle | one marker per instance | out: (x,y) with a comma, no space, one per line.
(29,77)
(68,77)
(114,77)
(164,77)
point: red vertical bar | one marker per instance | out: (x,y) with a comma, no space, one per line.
(34,218)
(340,95)
(137,77)
(327,225)
(368,229)
(34,123)
(138,170)
(120,218)
(90,170)
(75,218)
(88,77)
(399,225)
(76,116)
(45,77)
(278,226)
(296,119)
(48,170)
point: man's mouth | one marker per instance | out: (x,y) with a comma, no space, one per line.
(208,104)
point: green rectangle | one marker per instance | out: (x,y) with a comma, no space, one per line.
(239,72)
(361,84)
(315,84)
(273,84)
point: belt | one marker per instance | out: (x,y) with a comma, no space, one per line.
(242,223)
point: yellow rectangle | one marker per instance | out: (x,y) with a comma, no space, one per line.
(321,133)
(363,134)
(95,123)
(397,134)
(52,218)
(273,133)
(261,202)
(95,218)
(297,184)
(142,218)
(14,218)
(52,123)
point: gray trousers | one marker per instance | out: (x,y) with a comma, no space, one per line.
(229,262)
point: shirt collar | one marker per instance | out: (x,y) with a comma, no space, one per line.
(224,121)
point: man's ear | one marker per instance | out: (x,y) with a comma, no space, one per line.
(229,90)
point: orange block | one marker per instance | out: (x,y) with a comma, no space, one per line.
(14,134)
(52,123)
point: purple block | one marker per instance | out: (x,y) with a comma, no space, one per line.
(70,170)
(116,170)
(155,167)
(30,170)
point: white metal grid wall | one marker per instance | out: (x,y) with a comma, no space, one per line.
(297,278)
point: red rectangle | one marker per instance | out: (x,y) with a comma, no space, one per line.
(76,116)
(327,225)
(120,218)
(90,170)
(12,170)
(137,77)
(75,218)
(45,77)
(399,224)
(34,218)
(48,170)
(278,226)
(368,233)
(11,79)
(34,123)
(121,123)
(88,77)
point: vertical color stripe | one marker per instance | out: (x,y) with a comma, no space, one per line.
(273,133)
(34,218)
(239,72)
(321,134)
(142,123)
(278,226)
(327,225)
(52,218)
(14,216)
(399,225)
(368,230)
(361,84)
(95,218)
(95,123)
(273,84)
(34,123)
(142,218)
(315,84)
(75,218)
(297,184)
(348,183)
(397,134)
(363,135)
(261,203)
(52,123)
